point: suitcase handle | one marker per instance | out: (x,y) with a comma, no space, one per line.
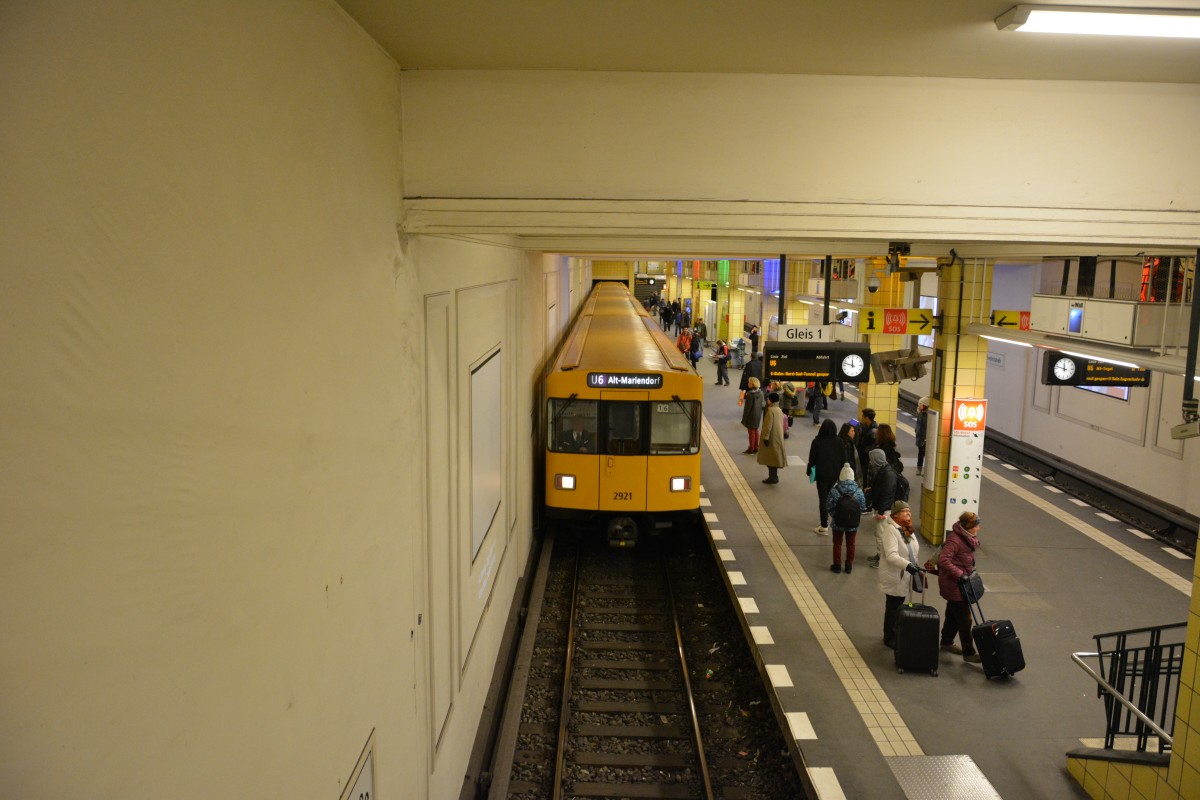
(964,586)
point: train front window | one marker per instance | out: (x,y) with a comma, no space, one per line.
(674,427)
(573,426)
(623,432)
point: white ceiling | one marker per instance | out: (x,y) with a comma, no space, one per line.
(922,38)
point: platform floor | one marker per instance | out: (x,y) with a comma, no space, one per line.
(1060,570)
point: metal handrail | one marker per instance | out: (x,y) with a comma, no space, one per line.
(1120,698)
(1148,629)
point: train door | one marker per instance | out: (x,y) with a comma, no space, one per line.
(623,454)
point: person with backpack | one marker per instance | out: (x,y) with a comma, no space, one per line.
(787,401)
(697,351)
(846,504)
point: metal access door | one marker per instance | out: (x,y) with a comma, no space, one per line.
(623,453)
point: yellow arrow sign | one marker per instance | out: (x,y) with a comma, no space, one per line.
(1017,320)
(895,321)
(920,320)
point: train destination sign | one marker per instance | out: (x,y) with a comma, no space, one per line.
(624,380)
(803,362)
(1064,369)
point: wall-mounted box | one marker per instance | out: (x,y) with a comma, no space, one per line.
(1125,322)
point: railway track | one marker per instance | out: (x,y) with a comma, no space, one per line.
(633,685)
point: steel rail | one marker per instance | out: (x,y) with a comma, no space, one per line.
(565,704)
(687,685)
(1120,698)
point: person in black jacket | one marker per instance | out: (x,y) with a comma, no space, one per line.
(920,432)
(752,370)
(825,458)
(866,438)
(754,339)
(847,434)
(882,496)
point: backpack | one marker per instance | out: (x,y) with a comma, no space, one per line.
(846,513)
(901,487)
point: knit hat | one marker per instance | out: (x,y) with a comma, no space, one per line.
(924,401)
(899,506)
(847,473)
(877,457)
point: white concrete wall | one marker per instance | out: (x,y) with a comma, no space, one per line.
(1127,441)
(851,156)
(210,432)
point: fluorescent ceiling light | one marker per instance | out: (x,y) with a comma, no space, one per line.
(1102,20)
(1007,341)
(1103,360)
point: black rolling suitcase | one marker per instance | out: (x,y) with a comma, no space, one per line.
(995,639)
(918,633)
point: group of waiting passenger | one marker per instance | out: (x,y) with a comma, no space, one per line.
(857,470)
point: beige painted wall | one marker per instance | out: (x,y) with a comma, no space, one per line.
(848,156)
(208,499)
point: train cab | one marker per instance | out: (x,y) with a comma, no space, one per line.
(623,413)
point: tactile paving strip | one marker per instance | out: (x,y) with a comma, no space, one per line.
(941,778)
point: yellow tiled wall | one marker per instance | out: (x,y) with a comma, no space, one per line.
(881,396)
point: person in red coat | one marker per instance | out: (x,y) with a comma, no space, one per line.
(957,559)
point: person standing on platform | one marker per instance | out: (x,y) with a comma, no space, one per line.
(697,352)
(825,459)
(921,432)
(700,331)
(722,358)
(754,369)
(881,494)
(787,401)
(846,504)
(684,342)
(753,339)
(865,439)
(771,452)
(847,434)
(885,440)
(955,562)
(813,402)
(752,413)
(901,551)
(666,316)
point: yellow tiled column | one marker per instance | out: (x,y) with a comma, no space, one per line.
(737,307)
(959,369)
(881,396)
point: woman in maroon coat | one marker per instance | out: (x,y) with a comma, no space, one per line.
(957,559)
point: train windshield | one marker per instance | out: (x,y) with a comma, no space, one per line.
(574,425)
(674,427)
(623,429)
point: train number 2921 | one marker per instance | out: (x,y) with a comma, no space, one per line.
(622,495)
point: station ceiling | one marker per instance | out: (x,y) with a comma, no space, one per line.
(912,38)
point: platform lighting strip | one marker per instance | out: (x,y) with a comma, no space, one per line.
(1006,341)
(1102,21)
(1103,360)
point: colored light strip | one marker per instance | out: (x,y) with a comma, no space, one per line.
(1102,21)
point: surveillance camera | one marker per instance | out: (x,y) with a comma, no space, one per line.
(873,284)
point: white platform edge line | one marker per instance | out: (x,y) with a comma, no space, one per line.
(825,781)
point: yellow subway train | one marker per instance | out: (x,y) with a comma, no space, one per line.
(623,412)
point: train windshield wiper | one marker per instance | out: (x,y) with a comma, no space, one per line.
(563,408)
(688,408)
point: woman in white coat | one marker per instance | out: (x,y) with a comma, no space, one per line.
(900,548)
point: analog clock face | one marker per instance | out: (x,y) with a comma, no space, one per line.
(1064,368)
(852,365)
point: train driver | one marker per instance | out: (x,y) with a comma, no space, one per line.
(578,440)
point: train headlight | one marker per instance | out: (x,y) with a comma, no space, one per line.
(683,484)
(564,482)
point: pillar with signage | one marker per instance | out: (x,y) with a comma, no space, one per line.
(890,294)
(958,371)
(968,424)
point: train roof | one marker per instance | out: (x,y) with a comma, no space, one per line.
(613,333)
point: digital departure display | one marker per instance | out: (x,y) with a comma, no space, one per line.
(624,380)
(820,362)
(1063,369)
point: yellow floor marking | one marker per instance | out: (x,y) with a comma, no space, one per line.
(889,732)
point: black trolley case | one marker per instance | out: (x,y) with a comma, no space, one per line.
(995,639)
(918,633)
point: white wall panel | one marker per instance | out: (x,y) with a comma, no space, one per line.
(208,499)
